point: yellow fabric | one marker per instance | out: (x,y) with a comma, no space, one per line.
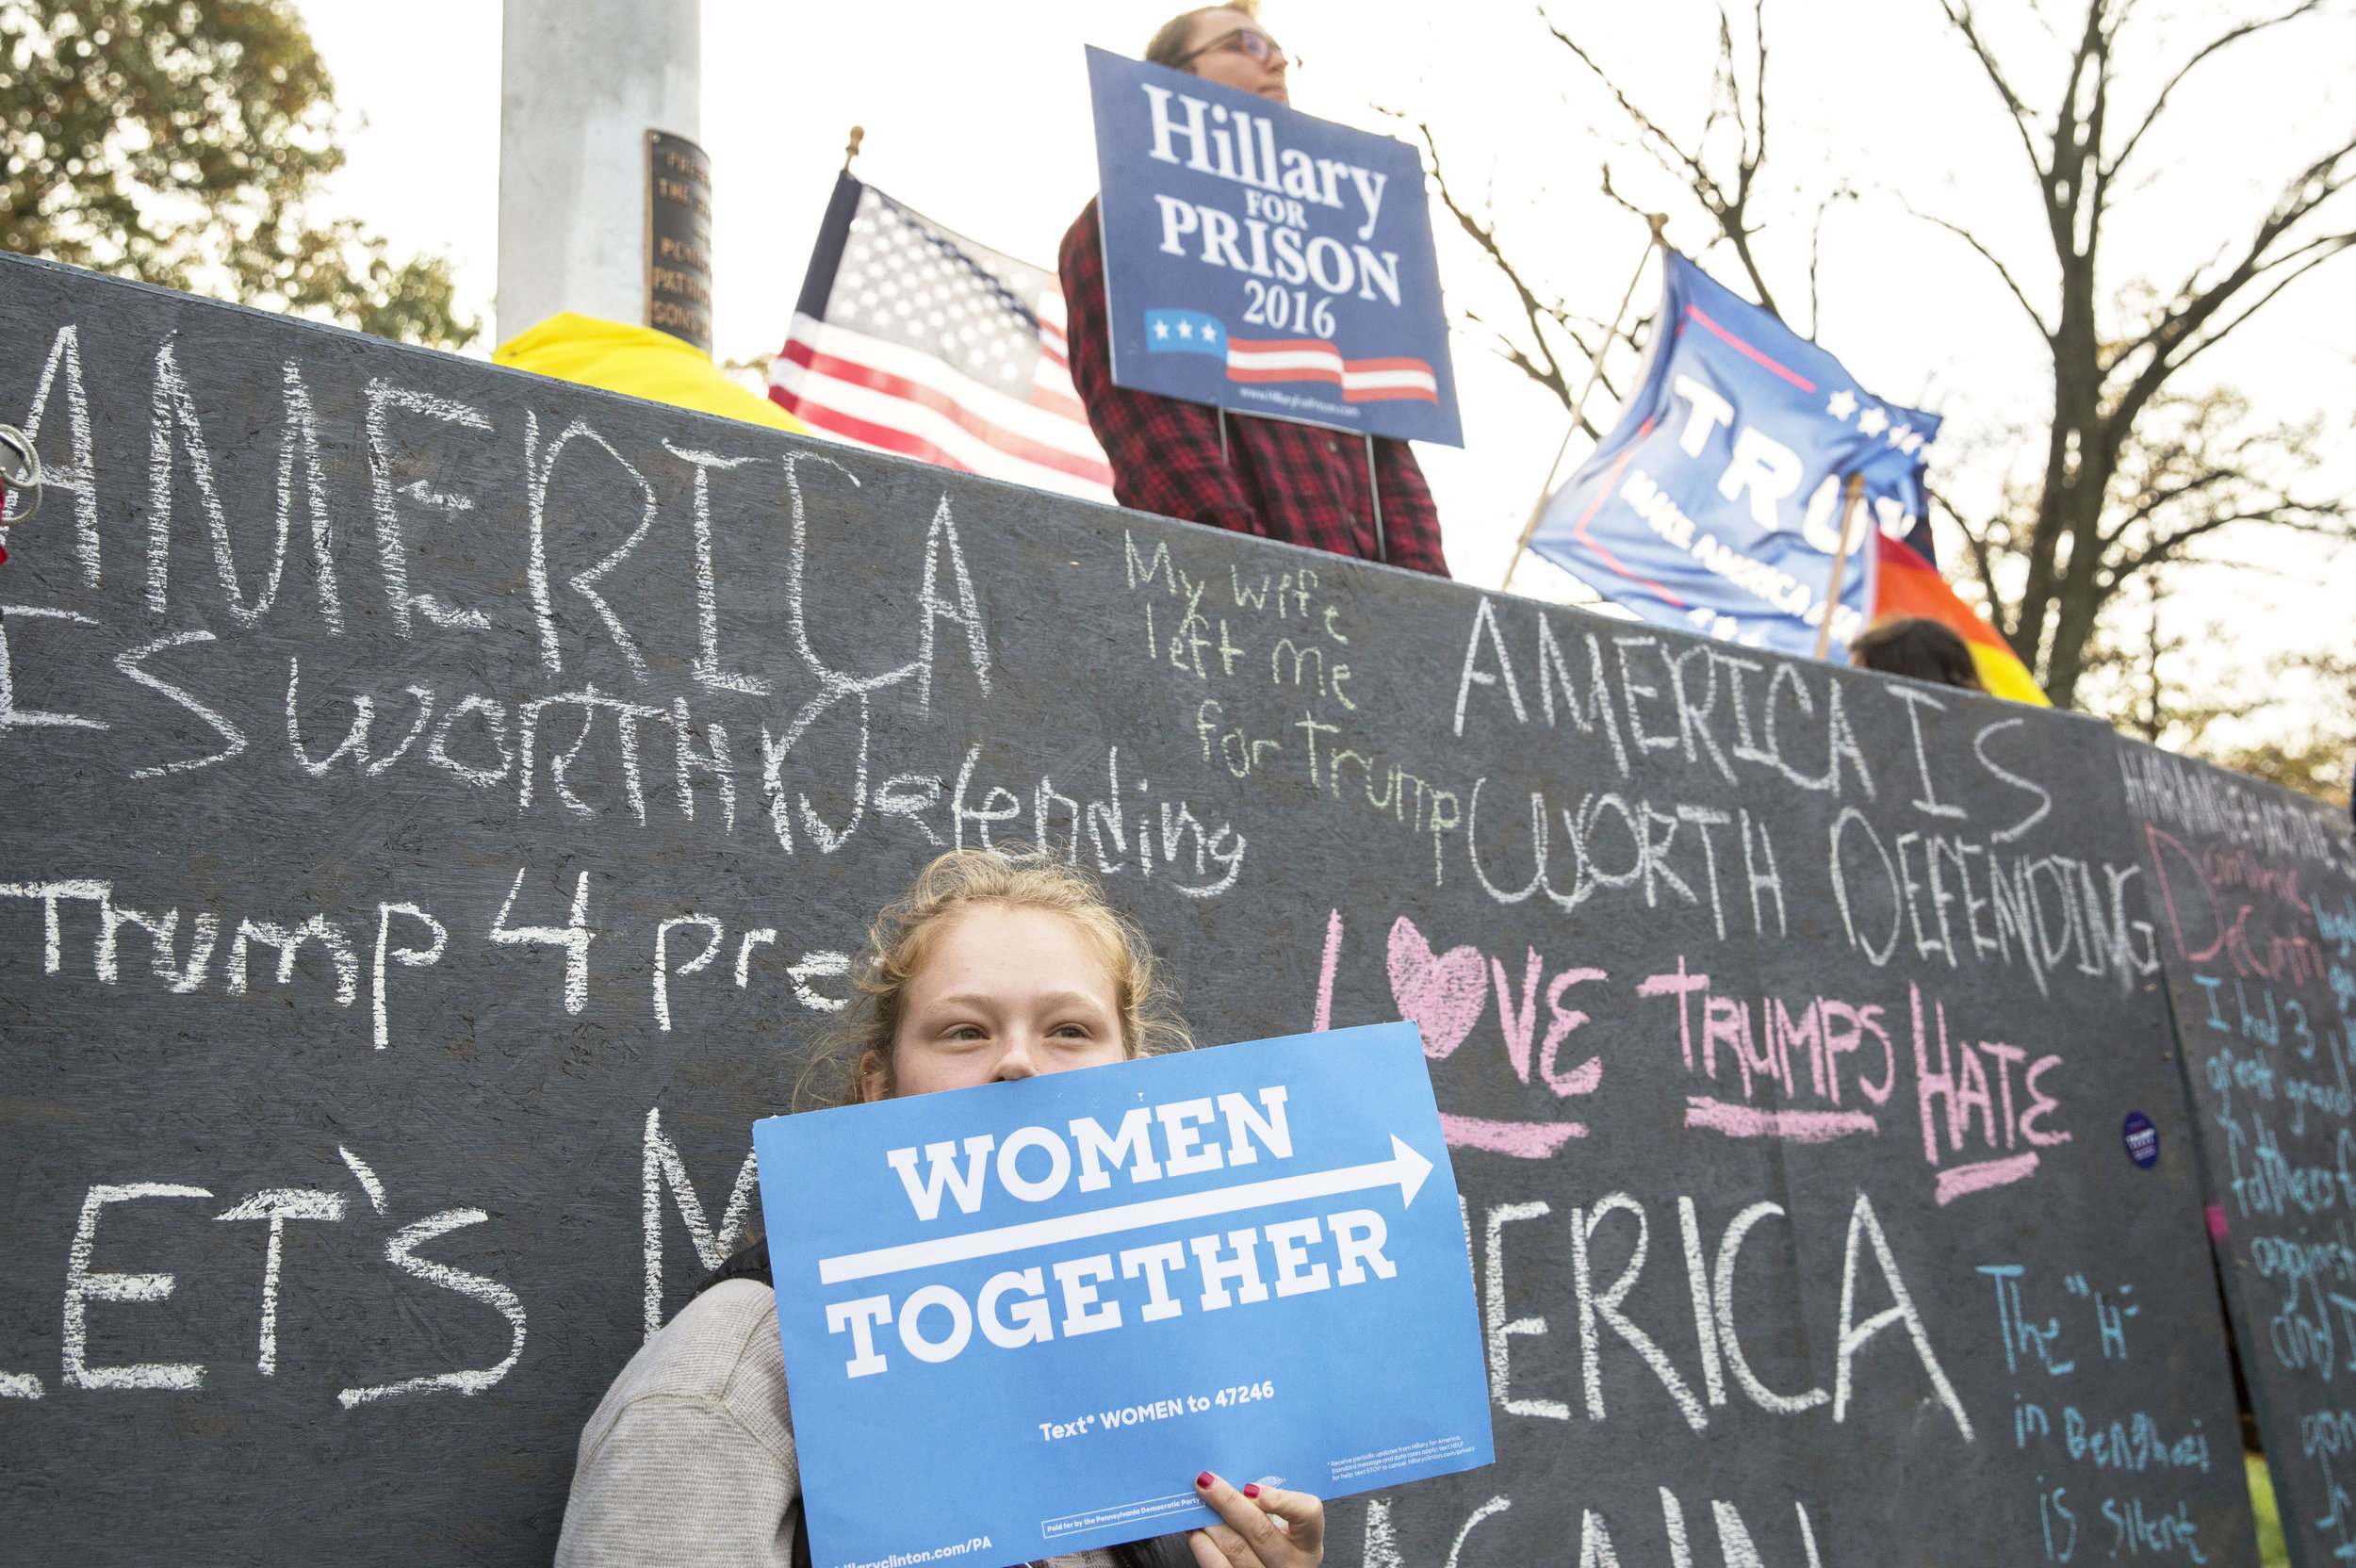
(2005,676)
(641,362)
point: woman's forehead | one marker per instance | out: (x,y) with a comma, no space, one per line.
(1219,19)
(1022,944)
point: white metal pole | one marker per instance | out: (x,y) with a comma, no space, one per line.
(582,82)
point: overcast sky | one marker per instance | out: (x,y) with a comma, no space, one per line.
(977,115)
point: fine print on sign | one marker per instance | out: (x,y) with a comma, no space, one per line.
(1060,1299)
(678,238)
(1265,261)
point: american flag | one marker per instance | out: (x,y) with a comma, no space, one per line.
(912,339)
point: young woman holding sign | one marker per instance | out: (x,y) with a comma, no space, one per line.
(993,967)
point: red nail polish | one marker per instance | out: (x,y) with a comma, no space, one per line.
(1251,1489)
(1204,1480)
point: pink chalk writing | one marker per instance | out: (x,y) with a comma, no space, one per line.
(1324,1018)
(1446,994)
(1959,1087)
(1521,1020)
(1749,1121)
(1762,1038)
(1957,1181)
(2294,958)
(1524,1140)
(1443,995)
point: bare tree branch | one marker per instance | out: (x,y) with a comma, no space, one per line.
(1964,22)
(2319,183)
(1730,211)
(1542,367)
(1618,199)
(1815,249)
(2295,515)
(2155,501)
(1694,172)
(1982,560)
(1989,256)
(2315,252)
(2200,56)
(1758,81)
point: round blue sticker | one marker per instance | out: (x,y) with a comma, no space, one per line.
(2142,1139)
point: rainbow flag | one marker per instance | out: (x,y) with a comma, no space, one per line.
(1910,585)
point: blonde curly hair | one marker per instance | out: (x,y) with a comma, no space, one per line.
(858,1050)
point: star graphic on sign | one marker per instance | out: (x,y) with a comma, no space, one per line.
(1210,333)
(1872,422)
(1185,329)
(1843,404)
(1161,329)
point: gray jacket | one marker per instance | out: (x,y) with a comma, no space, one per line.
(689,1458)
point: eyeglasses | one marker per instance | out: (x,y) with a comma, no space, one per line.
(1246,40)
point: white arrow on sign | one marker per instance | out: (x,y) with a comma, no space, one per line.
(1405,1169)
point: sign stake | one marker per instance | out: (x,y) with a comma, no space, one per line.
(1594,373)
(1849,495)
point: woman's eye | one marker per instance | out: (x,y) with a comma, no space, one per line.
(967,1032)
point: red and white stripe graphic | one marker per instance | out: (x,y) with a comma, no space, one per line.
(1310,359)
(875,393)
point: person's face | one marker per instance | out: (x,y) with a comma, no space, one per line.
(1229,64)
(1003,993)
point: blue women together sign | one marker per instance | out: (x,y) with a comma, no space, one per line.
(1057,1299)
(1263,260)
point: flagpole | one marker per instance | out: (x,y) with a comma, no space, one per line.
(1374,488)
(1849,495)
(1660,221)
(850,148)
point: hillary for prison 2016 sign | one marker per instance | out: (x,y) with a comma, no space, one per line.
(1059,1299)
(1265,261)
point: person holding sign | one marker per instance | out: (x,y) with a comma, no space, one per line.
(993,968)
(1296,482)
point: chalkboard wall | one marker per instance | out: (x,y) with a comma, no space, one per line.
(436,803)
(2256,895)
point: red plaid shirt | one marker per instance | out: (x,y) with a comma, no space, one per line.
(1288,481)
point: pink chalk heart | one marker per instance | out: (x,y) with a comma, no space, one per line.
(1442,995)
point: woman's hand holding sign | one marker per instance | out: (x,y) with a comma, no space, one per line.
(1267,1526)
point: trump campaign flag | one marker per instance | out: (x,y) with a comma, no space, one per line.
(1715,503)
(912,340)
